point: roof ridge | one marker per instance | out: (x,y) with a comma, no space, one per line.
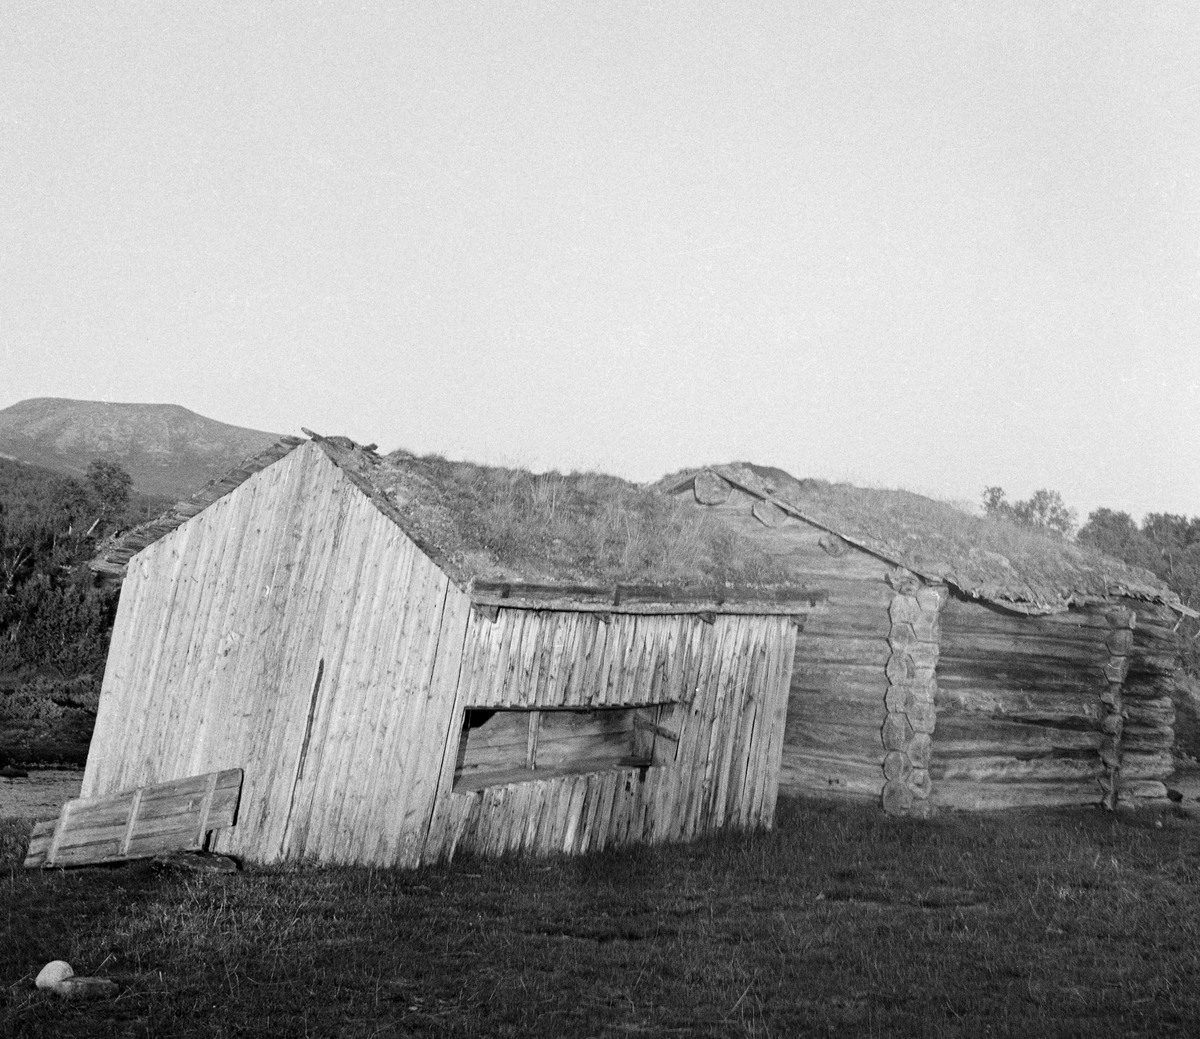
(743,477)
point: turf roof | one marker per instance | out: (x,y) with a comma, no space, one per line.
(498,524)
(485,522)
(1004,563)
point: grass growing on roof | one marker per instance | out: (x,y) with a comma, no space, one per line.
(993,556)
(840,922)
(498,523)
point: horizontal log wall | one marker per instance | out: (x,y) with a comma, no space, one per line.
(836,706)
(731,677)
(833,744)
(1019,710)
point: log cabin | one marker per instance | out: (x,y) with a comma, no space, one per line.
(960,661)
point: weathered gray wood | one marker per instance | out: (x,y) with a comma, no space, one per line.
(768,515)
(963,615)
(837,691)
(1153,664)
(720,766)
(1002,769)
(897,732)
(853,618)
(649,599)
(830,776)
(1016,674)
(897,797)
(1031,635)
(848,652)
(920,749)
(138,823)
(922,717)
(975,796)
(859,737)
(1035,706)
(1147,738)
(896,765)
(969,736)
(710,489)
(1143,788)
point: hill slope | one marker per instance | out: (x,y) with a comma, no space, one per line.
(168,450)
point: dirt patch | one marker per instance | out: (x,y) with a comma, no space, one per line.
(41,795)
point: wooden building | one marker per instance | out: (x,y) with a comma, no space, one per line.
(395,702)
(944,673)
(397,683)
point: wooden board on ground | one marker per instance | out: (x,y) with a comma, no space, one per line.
(138,823)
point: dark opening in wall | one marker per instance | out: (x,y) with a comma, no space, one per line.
(518,745)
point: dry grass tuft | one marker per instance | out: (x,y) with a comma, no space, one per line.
(497,523)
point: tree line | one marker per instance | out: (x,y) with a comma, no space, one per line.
(55,616)
(1167,545)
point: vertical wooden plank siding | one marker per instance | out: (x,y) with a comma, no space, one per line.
(265,700)
(732,675)
(388,710)
(213,655)
(294,631)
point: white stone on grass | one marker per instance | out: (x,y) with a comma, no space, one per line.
(54,972)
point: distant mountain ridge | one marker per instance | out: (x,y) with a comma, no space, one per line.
(169,451)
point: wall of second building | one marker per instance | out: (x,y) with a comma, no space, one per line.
(837,706)
(1020,715)
(293,631)
(833,743)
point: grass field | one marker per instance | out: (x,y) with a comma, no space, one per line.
(840,922)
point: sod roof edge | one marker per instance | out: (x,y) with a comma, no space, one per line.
(1052,575)
(388,483)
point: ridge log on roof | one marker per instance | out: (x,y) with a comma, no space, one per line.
(1057,576)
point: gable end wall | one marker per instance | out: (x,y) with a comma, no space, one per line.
(221,632)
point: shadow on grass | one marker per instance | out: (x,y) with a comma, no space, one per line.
(839,922)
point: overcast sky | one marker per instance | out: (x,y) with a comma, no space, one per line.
(937,246)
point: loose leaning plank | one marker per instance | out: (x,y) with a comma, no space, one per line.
(137,823)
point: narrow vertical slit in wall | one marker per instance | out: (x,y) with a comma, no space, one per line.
(308,725)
